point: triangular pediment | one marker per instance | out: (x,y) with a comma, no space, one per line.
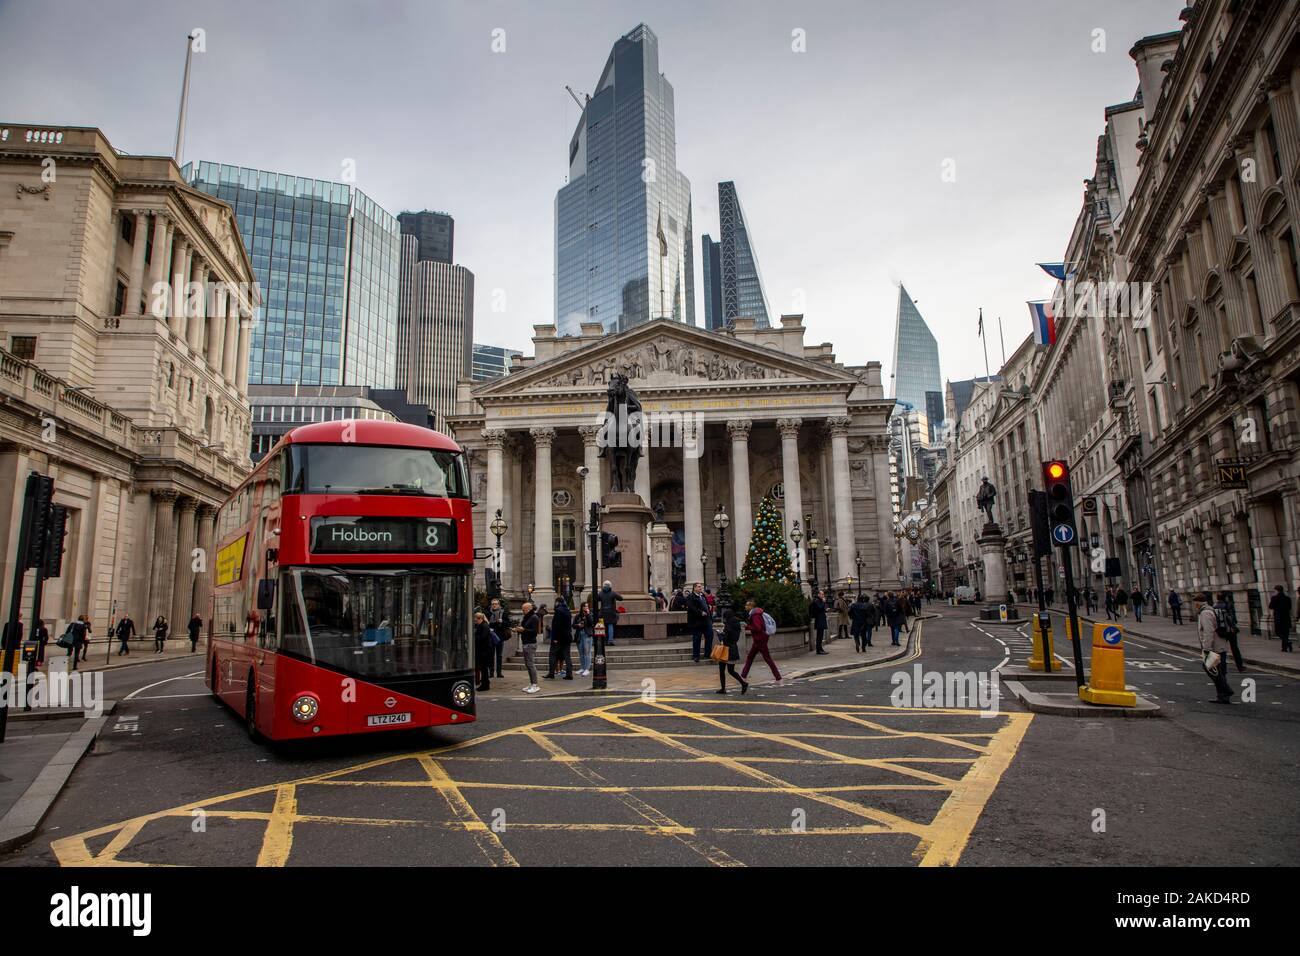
(666,354)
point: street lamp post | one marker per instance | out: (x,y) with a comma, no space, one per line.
(813,544)
(498,527)
(598,676)
(720,522)
(857,562)
(796,536)
(704,568)
(826,550)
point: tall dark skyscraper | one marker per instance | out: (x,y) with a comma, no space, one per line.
(435,231)
(733,286)
(916,359)
(623,245)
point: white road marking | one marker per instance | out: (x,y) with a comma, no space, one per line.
(134,693)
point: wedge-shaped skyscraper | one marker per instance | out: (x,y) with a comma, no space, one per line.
(733,286)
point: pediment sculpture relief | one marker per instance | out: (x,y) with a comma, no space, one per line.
(667,356)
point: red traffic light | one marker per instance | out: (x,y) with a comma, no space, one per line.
(1056,470)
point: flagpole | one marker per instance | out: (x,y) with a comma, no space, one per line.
(985,342)
(1002,342)
(185,97)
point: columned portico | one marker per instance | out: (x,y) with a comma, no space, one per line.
(495,439)
(692,510)
(789,429)
(164,553)
(543,569)
(135,281)
(841,497)
(742,518)
(162,230)
(183,587)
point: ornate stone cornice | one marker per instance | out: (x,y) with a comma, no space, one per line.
(590,433)
(187,504)
(164,494)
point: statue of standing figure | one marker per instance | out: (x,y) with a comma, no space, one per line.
(985,497)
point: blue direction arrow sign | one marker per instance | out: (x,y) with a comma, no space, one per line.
(1112,635)
(1063,534)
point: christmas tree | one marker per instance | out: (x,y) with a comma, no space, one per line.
(767,559)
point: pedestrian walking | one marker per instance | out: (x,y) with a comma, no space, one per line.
(125,630)
(159,634)
(1138,600)
(608,609)
(561,640)
(842,610)
(80,638)
(583,625)
(1280,605)
(1110,604)
(700,622)
(858,623)
(528,630)
(1121,601)
(870,622)
(483,656)
(761,626)
(1227,614)
(1176,607)
(1214,648)
(729,645)
(895,616)
(195,627)
(817,612)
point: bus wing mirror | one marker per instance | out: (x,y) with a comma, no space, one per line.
(265,594)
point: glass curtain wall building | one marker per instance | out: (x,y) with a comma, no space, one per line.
(916,360)
(623,234)
(733,286)
(492,361)
(327,259)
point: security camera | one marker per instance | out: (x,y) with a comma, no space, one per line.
(583,471)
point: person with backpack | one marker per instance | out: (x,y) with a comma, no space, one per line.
(483,656)
(609,599)
(1214,648)
(1176,607)
(1226,611)
(159,634)
(699,620)
(1280,605)
(528,630)
(730,640)
(817,612)
(1138,600)
(761,627)
(195,627)
(125,630)
(561,640)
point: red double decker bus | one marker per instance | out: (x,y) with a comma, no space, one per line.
(343,584)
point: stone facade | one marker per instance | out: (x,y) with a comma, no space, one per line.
(126,302)
(774,416)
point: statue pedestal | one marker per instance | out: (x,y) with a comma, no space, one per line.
(626,517)
(993,551)
(661,557)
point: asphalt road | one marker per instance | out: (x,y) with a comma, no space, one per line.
(824,770)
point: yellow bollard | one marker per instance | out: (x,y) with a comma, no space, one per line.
(1106,685)
(1042,635)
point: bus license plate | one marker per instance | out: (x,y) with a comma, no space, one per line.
(386,720)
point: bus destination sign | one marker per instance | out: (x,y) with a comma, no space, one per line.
(372,535)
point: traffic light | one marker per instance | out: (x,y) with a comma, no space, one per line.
(40,489)
(58,527)
(1060,501)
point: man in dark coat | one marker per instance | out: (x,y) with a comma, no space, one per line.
(125,630)
(817,612)
(1280,605)
(895,616)
(858,623)
(499,620)
(561,640)
(699,620)
(609,599)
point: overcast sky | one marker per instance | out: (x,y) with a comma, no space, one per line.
(837,152)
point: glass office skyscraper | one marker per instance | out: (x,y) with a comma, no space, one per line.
(327,259)
(916,359)
(623,246)
(733,287)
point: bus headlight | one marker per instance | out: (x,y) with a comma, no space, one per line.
(305,708)
(462,694)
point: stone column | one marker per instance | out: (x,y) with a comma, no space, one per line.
(842,496)
(230,348)
(742,520)
(216,327)
(245,335)
(1276,89)
(183,586)
(642,483)
(135,279)
(198,275)
(180,276)
(543,567)
(202,595)
(163,572)
(495,495)
(591,491)
(158,265)
(789,429)
(692,448)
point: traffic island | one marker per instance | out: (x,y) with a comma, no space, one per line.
(1045,699)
